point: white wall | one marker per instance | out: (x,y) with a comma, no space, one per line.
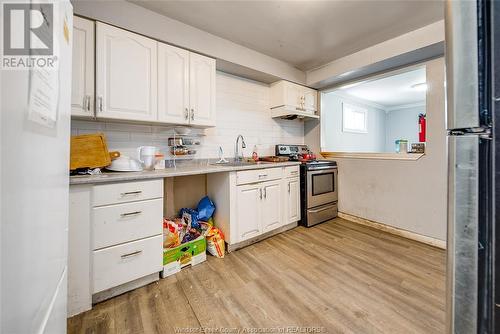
(376,56)
(402,123)
(336,140)
(410,195)
(242,108)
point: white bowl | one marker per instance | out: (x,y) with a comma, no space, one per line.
(125,164)
(182,130)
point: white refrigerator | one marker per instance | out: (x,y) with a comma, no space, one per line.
(34,187)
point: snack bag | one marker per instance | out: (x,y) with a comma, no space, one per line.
(191,235)
(181,227)
(190,217)
(170,234)
(215,242)
(204,228)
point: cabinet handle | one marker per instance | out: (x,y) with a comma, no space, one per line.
(262,176)
(100,103)
(265,192)
(260,193)
(137,192)
(294,172)
(186,114)
(89,99)
(125,256)
(131,213)
(192,114)
(288,186)
(85,103)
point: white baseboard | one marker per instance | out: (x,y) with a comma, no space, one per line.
(394,230)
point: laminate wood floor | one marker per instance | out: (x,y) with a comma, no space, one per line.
(337,277)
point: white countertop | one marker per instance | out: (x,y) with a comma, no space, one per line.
(182,169)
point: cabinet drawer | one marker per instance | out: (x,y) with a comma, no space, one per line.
(258,175)
(105,194)
(121,223)
(120,264)
(292,171)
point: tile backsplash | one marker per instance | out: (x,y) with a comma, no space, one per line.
(242,108)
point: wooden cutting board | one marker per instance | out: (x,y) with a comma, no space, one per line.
(89,151)
(274,159)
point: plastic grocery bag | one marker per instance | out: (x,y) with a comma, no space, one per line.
(206,209)
(215,242)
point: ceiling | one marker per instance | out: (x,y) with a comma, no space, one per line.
(305,34)
(391,91)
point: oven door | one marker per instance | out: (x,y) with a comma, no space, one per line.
(321,186)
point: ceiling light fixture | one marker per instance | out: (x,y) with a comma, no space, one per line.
(421,87)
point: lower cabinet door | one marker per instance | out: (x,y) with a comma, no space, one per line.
(271,205)
(292,200)
(123,263)
(249,198)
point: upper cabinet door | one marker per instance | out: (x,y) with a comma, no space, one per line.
(202,90)
(82,86)
(293,95)
(126,84)
(310,99)
(173,84)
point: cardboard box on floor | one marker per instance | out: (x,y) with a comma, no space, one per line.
(188,254)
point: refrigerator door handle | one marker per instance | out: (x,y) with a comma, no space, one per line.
(462,65)
(462,243)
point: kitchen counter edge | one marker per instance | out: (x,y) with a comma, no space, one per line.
(169,172)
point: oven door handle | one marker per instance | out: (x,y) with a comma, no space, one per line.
(320,169)
(321,209)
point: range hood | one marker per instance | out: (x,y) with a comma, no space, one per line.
(289,112)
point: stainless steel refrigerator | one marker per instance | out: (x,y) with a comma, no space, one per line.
(473,95)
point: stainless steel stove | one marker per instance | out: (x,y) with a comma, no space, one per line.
(318,184)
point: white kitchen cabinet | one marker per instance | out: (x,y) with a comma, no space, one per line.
(288,98)
(272,204)
(249,211)
(310,99)
(255,202)
(259,208)
(173,84)
(115,240)
(292,200)
(201,90)
(186,87)
(126,75)
(82,84)
(292,94)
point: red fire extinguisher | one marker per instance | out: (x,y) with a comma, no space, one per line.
(421,128)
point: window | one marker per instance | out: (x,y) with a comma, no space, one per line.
(378,115)
(353,118)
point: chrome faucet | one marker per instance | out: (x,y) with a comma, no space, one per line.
(237,157)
